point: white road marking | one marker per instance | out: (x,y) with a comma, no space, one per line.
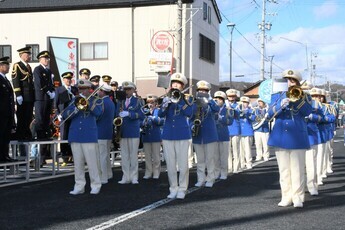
(130,215)
(117,220)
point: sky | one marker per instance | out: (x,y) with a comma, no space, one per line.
(306,35)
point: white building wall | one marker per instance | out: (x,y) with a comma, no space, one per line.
(115,27)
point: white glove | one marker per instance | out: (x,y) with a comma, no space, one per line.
(20,100)
(166,100)
(124,114)
(52,95)
(59,117)
(285,102)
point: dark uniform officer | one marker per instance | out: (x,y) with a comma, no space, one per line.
(106,79)
(44,94)
(84,73)
(95,80)
(64,95)
(23,87)
(6,110)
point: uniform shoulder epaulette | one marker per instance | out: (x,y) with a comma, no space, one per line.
(16,67)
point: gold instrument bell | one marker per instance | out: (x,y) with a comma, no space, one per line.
(295,93)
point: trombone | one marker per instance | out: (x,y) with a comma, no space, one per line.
(80,103)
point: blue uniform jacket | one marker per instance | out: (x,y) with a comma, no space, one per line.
(176,121)
(131,124)
(152,127)
(223,120)
(105,129)
(235,127)
(312,121)
(264,128)
(246,118)
(207,130)
(290,128)
(83,128)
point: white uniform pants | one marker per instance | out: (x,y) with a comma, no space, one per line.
(261,140)
(176,154)
(311,168)
(129,158)
(104,159)
(221,160)
(152,159)
(205,158)
(320,161)
(235,148)
(327,158)
(245,152)
(89,153)
(291,163)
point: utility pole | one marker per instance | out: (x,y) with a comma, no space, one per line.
(263,26)
(312,68)
(179,37)
(231,27)
(271,60)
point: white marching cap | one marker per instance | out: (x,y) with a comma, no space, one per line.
(106,88)
(295,74)
(244,99)
(178,77)
(220,94)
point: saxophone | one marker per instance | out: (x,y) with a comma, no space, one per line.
(118,123)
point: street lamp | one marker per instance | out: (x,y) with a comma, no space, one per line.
(231,27)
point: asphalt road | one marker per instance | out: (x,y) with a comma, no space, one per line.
(247,200)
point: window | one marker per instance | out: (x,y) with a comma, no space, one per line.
(207,49)
(35,49)
(204,11)
(209,15)
(94,51)
(6,50)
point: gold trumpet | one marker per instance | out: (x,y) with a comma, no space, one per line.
(295,93)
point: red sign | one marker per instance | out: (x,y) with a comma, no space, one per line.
(161,42)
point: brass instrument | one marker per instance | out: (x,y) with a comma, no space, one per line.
(295,93)
(118,123)
(175,95)
(259,119)
(80,103)
(197,121)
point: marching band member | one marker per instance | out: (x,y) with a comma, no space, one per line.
(151,136)
(83,137)
(64,95)
(261,134)
(105,133)
(234,131)
(327,134)
(289,136)
(176,136)
(130,133)
(204,134)
(314,140)
(247,133)
(224,118)
(332,130)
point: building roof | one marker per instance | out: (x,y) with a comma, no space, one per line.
(26,6)
(21,6)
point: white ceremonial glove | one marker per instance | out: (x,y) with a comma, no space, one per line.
(52,95)
(20,100)
(124,114)
(166,100)
(285,102)
(59,117)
